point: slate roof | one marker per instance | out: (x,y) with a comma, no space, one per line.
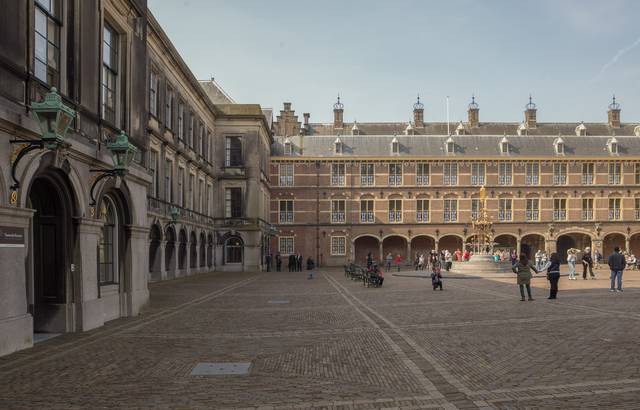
(540,146)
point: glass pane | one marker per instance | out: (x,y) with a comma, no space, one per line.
(46,4)
(53,32)
(52,55)
(41,48)
(106,53)
(40,70)
(41,22)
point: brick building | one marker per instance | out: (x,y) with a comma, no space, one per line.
(341,190)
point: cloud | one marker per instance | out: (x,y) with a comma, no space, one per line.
(616,57)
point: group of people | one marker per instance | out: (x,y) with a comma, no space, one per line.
(444,258)
(502,255)
(617,262)
(295,263)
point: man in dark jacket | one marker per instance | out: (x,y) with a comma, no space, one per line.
(587,263)
(617,263)
(278,262)
(292,263)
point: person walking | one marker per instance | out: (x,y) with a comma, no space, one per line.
(597,258)
(587,263)
(369,260)
(553,274)
(389,260)
(398,261)
(616,264)
(539,259)
(523,269)
(268,259)
(448,260)
(310,267)
(278,262)
(291,263)
(299,261)
(571,261)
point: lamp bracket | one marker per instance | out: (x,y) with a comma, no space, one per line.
(28,146)
(103,173)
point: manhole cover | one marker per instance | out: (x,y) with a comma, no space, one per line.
(220,369)
(278,302)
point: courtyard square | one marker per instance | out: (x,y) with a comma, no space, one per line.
(330,343)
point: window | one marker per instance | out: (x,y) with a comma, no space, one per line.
(504,211)
(153,170)
(615,171)
(559,173)
(532,173)
(450,210)
(46,65)
(614,209)
(233,250)
(504,147)
(476,208)
(559,145)
(587,173)
(285,245)
(533,209)
(168,178)
(285,174)
(450,173)
(181,187)
(637,173)
(560,209)
(587,209)
(367,174)
(192,129)
(338,211)
(233,203)
(200,195)
(233,152)
(395,174)
(108,246)
(109,74)
(337,146)
(422,210)
(181,122)
(366,211)
(338,245)
(337,174)
(168,115)
(477,173)
(153,93)
(287,148)
(286,211)
(192,202)
(422,174)
(209,199)
(450,145)
(395,210)
(505,173)
(395,146)
(201,139)
(636,213)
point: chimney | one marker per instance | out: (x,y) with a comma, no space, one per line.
(530,114)
(473,113)
(338,111)
(287,106)
(418,114)
(614,114)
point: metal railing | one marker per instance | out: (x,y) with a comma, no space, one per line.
(337,217)
(532,215)
(504,180)
(395,179)
(587,179)
(422,179)
(587,214)
(559,180)
(477,179)
(366,180)
(422,216)
(286,217)
(450,180)
(559,214)
(504,215)
(614,214)
(337,180)
(532,180)
(159,206)
(450,216)
(367,217)
(614,179)
(395,216)
(286,180)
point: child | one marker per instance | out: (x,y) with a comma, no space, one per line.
(436,276)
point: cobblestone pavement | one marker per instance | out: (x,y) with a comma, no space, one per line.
(330,343)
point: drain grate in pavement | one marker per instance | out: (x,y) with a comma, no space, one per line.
(278,302)
(221,369)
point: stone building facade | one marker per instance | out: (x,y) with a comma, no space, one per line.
(342,190)
(68,264)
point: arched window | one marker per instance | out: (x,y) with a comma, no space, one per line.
(108,246)
(612,144)
(395,146)
(504,145)
(558,145)
(450,146)
(233,249)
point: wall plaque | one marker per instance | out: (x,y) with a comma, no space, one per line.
(11,237)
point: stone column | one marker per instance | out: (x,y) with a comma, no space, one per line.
(16,323)
(136,269)
(518,245)
(162,274)
(409,260)
(86,285)
(380,251)
(597,244)
(550,245)
(626,244)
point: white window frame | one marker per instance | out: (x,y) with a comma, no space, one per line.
(338,245)
(286,245)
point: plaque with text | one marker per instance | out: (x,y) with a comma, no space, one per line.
(11,237)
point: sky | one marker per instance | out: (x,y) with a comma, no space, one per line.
(570,55)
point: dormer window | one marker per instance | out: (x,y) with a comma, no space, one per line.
(581,130)
(612,145)
(451,146)
(460,130)
(636,131)
(287,147)
(395,146)
(522,129)
(558,145)
(504,145)
(337,146)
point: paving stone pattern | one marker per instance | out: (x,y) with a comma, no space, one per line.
(338,345)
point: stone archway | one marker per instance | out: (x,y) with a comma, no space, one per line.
(170,251)
(210,251)
(396,245)
(193,251)
(505,241)
(182,250)
(155,238)
(202,255)
(362,246)
(634,245)
(610,241)
(422,244)
(532,243)
(450,243)
(566,241)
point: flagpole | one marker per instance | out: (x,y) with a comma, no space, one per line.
(448,130)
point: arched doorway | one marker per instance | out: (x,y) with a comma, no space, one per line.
(450,243)
(210,250)
(155,237)
(233,250)
(193,251)
(634,245)
(395,245)
(505,241)
(182,250)
(610,241)
(422,244)
(532,243)
(170,251)
(202,254)
(52,241)
(363,245)
(571,240)
(482,245)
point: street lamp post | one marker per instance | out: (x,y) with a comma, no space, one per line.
(54,119)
